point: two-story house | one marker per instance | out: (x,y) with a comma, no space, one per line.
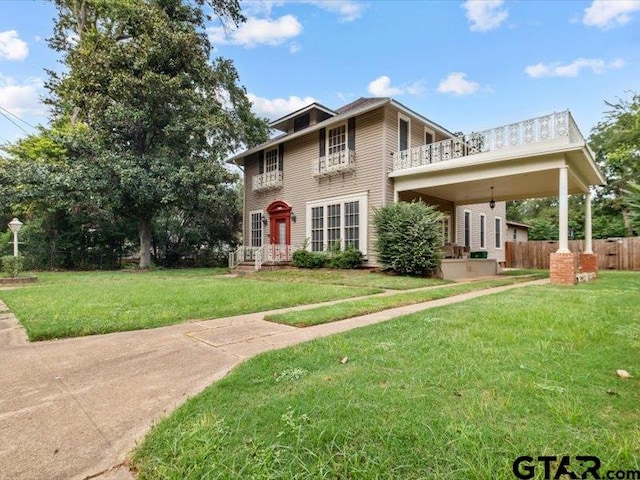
(319,182)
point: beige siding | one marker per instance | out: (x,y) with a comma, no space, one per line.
(300,187)
(376,141)
(482,208)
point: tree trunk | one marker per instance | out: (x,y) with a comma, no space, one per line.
(144,231)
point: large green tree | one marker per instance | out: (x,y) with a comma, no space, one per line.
(161,113)
(616,142)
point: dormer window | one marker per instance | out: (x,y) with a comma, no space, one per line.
(301,122)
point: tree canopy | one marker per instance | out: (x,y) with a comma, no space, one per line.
(142,120)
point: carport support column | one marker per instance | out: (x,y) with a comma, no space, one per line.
(563,211)
(588,234)
(563,265)
(588,260)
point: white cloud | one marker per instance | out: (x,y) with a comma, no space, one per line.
(255,31)
(274,108)
(11,47)
(609,13)
(347,11)
(381,87)
(573,69)
(22,99)
(485,15)
(456,83)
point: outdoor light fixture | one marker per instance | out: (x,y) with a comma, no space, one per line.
(492,202)
(293,217)
(264,220)
(15,225)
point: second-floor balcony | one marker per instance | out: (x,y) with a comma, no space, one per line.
(334,163)
(556,128)
(267,181)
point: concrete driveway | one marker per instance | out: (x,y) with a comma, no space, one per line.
(74,408)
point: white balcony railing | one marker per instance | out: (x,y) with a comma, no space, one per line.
(267,180)
(334,163)
(541,129)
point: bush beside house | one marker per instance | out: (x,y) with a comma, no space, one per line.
(409,238)
(350,258)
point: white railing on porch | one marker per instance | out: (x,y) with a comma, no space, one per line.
(540,129)
(242,254)
(260,255)
(334,163)
(267,180)
(272,254)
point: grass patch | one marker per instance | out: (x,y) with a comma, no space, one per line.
(354,308)
(457,392)
(525,271)
(356,278)
(76,304)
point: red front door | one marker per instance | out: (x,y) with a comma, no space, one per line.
(280,223)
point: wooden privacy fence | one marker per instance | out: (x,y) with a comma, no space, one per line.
(613,253)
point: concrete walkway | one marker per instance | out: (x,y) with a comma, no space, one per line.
(74,408)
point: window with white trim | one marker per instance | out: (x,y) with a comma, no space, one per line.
(404,130)
(337,139)
(467,228)
(498,232)
(338,222)
(333,225)
(317,229)
(428,136)
(271,160)
(256,228)
(352,225)
(446,229)
(483,230)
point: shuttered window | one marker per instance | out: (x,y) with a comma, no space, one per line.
(337,139)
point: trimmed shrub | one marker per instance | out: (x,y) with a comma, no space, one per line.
(12,266)
(409,238)
(346,259)
(306,259)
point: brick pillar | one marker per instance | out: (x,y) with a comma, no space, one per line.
(563,268)
(588,263)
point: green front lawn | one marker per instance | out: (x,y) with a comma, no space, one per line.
(354,308)
(75,304)
(356,278)
(455,392)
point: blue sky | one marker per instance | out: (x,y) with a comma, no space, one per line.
(466,65)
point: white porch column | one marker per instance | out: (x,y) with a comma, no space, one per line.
(563,211)
(588,244)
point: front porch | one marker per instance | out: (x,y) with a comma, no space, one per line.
(249,259)
(540,157)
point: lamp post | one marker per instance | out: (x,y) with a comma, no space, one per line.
(15,225)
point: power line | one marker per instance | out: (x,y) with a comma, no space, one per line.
(11,120)
(17,117)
